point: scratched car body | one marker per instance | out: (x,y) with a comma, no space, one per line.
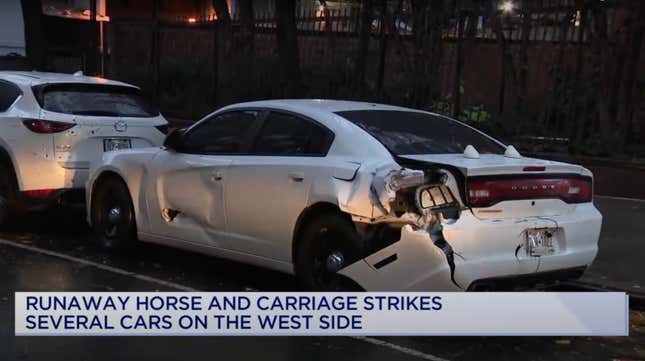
(352,195)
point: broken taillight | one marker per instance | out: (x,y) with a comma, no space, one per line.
(486,191)
(46,126)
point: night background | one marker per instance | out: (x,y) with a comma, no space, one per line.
(558,79)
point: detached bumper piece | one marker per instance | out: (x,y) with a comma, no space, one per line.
(518,282)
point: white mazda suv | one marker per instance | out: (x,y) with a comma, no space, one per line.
(53,127)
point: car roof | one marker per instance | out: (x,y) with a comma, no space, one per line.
(32,78)
(319,105)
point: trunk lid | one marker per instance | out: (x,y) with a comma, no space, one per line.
(522,187)
(83,145)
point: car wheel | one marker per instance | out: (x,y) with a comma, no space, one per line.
(8,192)
(113,219)
(326,245)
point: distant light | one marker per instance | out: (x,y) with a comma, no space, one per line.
(192,20)
(507,6)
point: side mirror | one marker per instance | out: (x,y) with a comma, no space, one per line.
(175,140)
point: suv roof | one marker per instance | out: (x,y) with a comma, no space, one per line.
(31,78)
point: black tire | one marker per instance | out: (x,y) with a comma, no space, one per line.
(113,218)
(327,234)
(8,195)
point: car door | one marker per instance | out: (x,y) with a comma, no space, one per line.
(268,188)
(190,183)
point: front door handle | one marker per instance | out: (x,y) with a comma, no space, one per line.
(297,176)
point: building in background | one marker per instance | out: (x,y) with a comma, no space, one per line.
(167,10)
(75,9)
(12,34)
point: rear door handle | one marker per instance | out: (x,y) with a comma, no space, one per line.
(297,176)
(217,176)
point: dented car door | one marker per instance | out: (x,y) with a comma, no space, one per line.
(191,182)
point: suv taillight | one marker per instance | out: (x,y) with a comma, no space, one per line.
(486,191)
(46,126)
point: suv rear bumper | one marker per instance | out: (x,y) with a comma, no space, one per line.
(70,196)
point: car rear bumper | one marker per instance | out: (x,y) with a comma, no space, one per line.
(486,249)
(72,196)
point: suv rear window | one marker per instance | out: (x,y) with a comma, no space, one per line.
(94,100)
(407,133)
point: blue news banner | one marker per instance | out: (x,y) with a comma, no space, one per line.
(270,314)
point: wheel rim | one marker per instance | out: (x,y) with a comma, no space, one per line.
(113,219)
(328,259)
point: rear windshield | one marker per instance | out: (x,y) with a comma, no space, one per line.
(407,133)
(94,100)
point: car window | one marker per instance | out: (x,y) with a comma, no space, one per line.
(288,135)
(8,95)
(227,133)
(94,100)
(407,133)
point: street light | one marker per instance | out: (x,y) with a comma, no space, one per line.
(507,6)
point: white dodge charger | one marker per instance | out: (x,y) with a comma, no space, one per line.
(351,195)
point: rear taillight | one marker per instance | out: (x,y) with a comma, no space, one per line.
(46,126)
(40,193)
(486,191)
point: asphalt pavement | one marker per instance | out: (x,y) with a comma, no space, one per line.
(52,251)
(620,263)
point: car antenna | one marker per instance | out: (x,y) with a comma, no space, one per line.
(511,152)
(470,152)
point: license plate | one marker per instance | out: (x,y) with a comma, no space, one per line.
(116,144)
(540,242)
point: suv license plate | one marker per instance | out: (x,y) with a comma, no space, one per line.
(540,242)
(116,144)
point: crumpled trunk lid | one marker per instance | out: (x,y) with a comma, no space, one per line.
(493,166)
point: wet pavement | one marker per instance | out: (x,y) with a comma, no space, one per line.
(52,251)
(620,261)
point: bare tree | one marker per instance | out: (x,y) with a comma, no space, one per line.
(634,48)
(34,33)
(429,18)
(363,45)
(222,12)
(520,107)
(288,46)
(246,43)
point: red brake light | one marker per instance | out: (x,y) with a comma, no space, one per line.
(486,191)
(40,193)
(46,126)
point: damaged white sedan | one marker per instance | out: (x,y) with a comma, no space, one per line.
(352,195)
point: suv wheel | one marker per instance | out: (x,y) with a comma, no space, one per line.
(327,244)
(8,193)
(113,219)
